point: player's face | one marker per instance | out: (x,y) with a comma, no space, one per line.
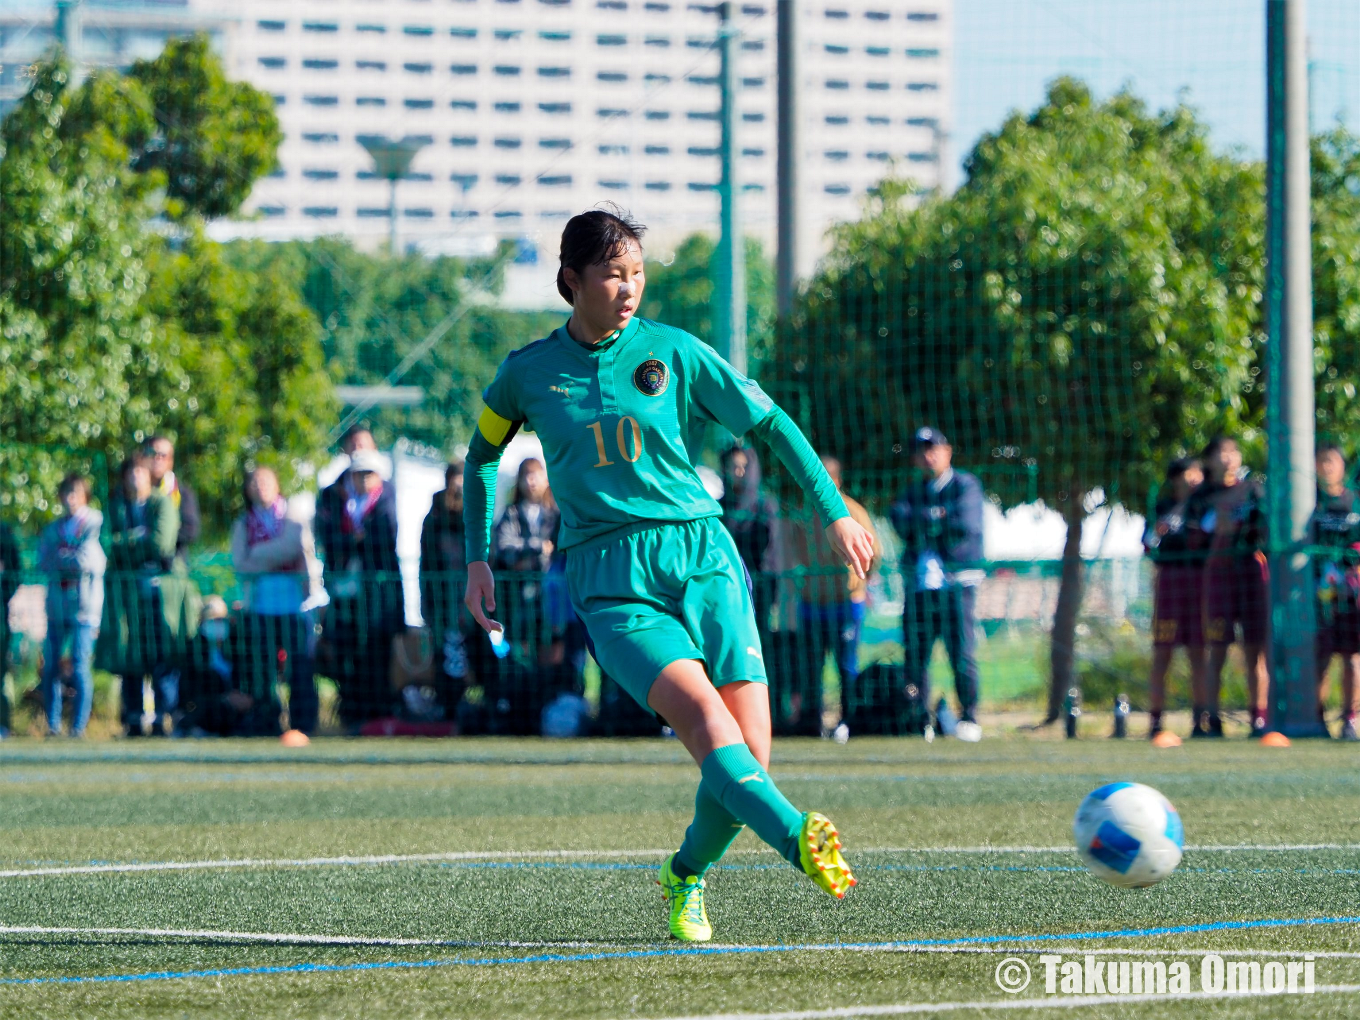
(608,294)
(1331,469)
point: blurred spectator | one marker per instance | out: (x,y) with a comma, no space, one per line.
(165,480)
(141,528)
(9,583)
(443,572)
(525,533)
(1335,533)
(831,608)
(939,516)
(330,504)
(1227,525)
(70,554)
(1178,592)
(213,701)
(751,518)
(362,575)
(271,553)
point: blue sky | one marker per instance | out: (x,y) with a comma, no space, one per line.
(1211,51)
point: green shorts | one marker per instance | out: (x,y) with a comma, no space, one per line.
(660,592)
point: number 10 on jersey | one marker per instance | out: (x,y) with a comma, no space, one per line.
(628,429)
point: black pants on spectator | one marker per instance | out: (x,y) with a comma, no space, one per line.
(943,614)
(262,639)
(4,668)
(358,634)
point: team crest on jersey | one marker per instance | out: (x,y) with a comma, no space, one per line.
(651,377)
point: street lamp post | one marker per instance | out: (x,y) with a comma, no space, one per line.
(391,161)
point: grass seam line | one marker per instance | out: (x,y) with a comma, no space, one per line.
(637,954)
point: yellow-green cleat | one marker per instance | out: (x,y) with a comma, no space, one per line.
(819,850)
(689,921)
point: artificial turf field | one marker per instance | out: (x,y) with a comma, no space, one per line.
(537,899)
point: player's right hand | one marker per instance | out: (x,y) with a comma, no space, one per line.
(481,590)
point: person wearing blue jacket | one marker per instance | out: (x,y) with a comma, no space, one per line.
(939,517)
(70,555)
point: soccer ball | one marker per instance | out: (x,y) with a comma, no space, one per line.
(1128,834)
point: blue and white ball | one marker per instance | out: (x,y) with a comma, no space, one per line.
(1128,835)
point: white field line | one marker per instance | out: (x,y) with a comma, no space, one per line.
(364,940)
(496,855)
(1050,1002)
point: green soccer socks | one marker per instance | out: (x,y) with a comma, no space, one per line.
(708,836)
(747,794)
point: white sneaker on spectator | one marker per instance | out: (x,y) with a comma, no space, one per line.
(968,731)
(841,734)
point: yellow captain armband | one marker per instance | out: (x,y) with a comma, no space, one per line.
(495,429)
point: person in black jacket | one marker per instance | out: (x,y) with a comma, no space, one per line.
(939,517)
(1334,532)
(1178,595)
(9,584)
(357,532)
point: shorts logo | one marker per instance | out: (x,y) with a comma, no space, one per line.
(651,378)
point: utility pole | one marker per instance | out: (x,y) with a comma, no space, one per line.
(1291,473)
(786,256)
(68,32)
(729,319)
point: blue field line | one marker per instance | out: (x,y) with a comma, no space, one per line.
(640,954)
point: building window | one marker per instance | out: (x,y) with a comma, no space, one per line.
(508,214)
(660,8)
(379,29)
(464,181)
(752,11)
(371,65)
(836,49)
(657,79)
(756,153)
(321,100)
(837,83)
(554,72)
(370,101)
(881,157)
(507,70)
(614,185)
(372,212)
(271,26)
(925,122)
(876,86)
(467,214)
(923,53)
(658,115)
(753,118)
(753,83)
(270,211)
(279,100)
(753,187)
(554,143)
(702,115)
(877,15)
(273,63)
(463,104)
(660,41)
(700,42)
(836,120)
(613,150)
(877,120)
(922,86)
(611,76)
(365,175)
(506,34)
(877,51)
(463,141)
(837,189)
(510,179)
(837,15)
(463,33)
(922,157)
(462,68)
(753,45)
(507,107)
(554,107)
(555,36)
(419,104)
(836,155)
(320,26)
(277,173)
(609,111)
(320,65)
(702,79)
(418,177)
(419,213)
(556,181)
(320,211)
(658,150)
(611,40)
(417,30)
(658,185)
(508,143)
(418,68)
(611,5)
(701,186)
(321,137)
(922,16)
(703,150)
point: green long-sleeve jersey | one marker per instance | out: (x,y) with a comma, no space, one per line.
(621,425)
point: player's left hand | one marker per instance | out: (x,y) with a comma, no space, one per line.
(853,542)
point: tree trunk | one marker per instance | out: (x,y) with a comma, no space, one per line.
(1062,652)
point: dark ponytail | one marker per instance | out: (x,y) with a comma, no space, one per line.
(593,238)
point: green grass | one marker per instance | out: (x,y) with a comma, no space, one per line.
(67,804)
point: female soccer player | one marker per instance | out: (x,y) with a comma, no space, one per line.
(620,405)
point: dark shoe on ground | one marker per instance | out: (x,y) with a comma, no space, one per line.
(1348,730)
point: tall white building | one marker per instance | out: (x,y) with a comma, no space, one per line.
(532,110)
